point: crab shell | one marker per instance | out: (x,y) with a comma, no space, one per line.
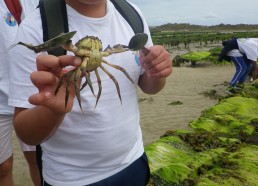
(90,43)
(93,46)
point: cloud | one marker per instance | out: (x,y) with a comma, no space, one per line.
(211,16)
(204,12)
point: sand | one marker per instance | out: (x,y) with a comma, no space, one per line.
(185,85)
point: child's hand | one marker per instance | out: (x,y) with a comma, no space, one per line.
(50,69)
(157,62)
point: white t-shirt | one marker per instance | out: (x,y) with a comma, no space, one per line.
(28,6)
(249,46)
(234,53)
(96,144)
(8,29)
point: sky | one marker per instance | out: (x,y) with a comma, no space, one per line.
(199,12)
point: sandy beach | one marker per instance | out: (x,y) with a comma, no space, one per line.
(185,85)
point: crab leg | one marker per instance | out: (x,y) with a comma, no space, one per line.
(100,87)
(77,85)
(67,76)
(88,80)
(61,81)
(86,74)
(67,92)
(71,76)
(68,46)
(119,68)
(114,80)
(84,84)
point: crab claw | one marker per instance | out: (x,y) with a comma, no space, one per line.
(115,49)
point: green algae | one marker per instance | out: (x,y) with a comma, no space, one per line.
(251,90)
(237,168)
(174,162)
(217,151)
(231,117)
(195,56)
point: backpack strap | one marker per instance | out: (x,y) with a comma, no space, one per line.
(130,15)
(54,21)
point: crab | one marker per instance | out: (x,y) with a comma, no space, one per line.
(89,49)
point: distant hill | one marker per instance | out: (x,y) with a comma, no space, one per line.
(186,27)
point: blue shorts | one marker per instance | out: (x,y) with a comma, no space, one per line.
(136,174)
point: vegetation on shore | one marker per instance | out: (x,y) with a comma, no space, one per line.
(185,27)
(175,35)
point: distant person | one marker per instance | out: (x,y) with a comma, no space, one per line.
(243,52)
(11,12)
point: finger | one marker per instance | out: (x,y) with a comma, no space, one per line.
(53,63)
(42,78)
(40,98)
(155,58)
(67,60)
(162,74)
(148,60)
(158,69)
(160,66)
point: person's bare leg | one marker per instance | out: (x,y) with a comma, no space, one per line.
(6,178)
(33,167)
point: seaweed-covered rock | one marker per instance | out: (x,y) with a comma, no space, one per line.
(238,168)
(251,90)
(232,117)
(175,162)
(195,56)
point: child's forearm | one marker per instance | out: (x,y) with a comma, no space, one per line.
(35,125)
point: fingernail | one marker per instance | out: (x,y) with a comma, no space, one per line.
(47,94)
(77,61)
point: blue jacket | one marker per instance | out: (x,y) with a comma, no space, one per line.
(228,46)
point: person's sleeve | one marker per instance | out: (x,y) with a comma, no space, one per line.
(22,63)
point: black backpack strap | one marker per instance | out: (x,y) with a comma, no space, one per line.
(39,162)
(130,15)
(54,21)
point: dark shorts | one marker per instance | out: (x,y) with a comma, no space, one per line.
(136,174)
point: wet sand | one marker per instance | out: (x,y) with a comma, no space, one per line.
(185,85)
